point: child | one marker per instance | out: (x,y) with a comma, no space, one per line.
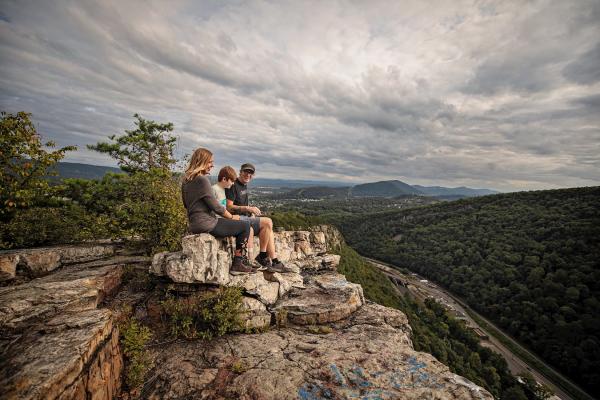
(225,180)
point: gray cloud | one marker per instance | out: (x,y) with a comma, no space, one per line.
(500,95)
(585,69)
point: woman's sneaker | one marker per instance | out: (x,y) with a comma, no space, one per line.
(239,266)
(279,267)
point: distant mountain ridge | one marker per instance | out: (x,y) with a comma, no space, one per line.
(384,189)
(393,188)
(83,171)
(305,188)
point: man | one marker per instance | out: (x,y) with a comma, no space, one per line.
(238,203)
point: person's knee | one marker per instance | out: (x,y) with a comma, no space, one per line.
(266,222)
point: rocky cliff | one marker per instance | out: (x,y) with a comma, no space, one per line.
(319,338)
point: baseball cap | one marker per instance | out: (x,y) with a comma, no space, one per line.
(247,166)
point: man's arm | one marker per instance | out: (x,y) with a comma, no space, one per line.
(232,208)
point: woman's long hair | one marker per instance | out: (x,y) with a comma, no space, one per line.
(198,164)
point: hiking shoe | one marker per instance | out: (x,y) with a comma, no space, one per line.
(279,267)
(264,263)
(256,266)
(240,266)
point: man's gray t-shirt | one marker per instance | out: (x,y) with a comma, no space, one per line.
(238,193)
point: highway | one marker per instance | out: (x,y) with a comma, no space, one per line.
(421,289)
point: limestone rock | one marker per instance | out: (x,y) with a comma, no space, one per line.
(255,315)
(326,298)
(203,259)
(286,281)
(332,236)
(298,245)
(256,285)
(77,289)
(84,253)
(41,261)
(72,356)
(316,264)
(368,355)
(8,267)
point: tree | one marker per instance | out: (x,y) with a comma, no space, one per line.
(151,207)
(23,163)
(146,148)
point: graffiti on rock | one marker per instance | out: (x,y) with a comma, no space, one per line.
(357,383)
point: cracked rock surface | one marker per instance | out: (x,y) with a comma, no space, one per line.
(55,341)
(368,355)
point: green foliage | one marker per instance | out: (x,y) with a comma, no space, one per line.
(204,315)
(23,164)
(134,338)
(529,261)
(376,286)
(38,226)
(238,367)
(292,220)
(146,206)
(153,211)
(148,147)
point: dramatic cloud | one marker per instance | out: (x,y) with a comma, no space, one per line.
(502,95)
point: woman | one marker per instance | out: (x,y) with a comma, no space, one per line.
(201,207)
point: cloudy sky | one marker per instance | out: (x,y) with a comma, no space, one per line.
(502,95)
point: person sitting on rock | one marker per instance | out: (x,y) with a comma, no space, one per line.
(225,180)
(201,206)
(238,203)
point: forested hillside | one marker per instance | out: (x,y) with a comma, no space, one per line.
(530,261)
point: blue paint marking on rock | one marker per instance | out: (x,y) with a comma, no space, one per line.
(356,383)
(338,376)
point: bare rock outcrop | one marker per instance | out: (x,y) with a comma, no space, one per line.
(41,261)
(367,355)
(72,356)
(55,341)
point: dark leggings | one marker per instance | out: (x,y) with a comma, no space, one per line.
(239,229)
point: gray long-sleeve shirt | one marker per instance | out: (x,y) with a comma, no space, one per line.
(200,203)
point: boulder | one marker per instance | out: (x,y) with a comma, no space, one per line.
(326,298)
(368,355)
(72,356)
(203,259)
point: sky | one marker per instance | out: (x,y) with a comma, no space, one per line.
(486,94)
